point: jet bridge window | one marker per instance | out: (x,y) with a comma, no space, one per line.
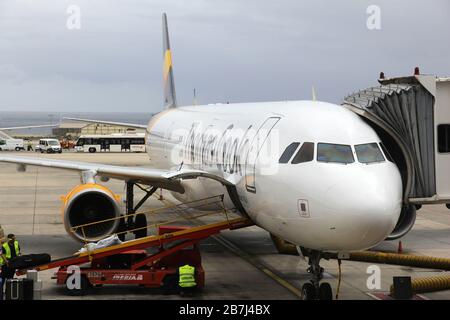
(287,154)
(444,138)
(339,153)
(305,154)
(368,153)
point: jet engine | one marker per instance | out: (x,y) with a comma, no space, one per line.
(89,203)
(405,222)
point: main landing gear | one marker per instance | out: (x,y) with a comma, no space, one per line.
(314,290)
(135,223)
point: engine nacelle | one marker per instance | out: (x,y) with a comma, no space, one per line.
(88,203)
(405,222)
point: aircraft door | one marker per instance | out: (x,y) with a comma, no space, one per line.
(168,143)
(256,145)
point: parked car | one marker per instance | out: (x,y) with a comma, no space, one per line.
(49,146)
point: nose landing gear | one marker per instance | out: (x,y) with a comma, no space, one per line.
(314,290)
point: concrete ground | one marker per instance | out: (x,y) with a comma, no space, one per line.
(240,264)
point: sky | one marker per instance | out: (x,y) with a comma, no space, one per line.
(229,50)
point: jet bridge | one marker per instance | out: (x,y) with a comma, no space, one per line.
(412,117)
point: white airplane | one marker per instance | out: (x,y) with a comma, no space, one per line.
(309,172)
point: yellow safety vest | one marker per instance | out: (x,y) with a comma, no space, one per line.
(8,251)
(187,276)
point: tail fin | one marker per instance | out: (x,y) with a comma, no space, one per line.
(170,99)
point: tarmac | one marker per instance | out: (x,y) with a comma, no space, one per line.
(240,264)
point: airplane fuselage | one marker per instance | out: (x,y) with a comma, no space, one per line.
(307,199)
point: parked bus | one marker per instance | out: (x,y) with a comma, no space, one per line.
(111,143)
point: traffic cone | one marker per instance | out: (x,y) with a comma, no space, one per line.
(400,247)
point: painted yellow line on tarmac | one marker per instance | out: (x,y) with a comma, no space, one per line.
(283,282)
(253,261)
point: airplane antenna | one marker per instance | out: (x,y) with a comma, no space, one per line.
(314,94)
(195,98)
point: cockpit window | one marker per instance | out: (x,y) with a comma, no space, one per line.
(386,153)
(369,153)
(340,153)
(287,154)
(305,154)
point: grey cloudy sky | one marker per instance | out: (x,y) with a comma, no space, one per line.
(230,50)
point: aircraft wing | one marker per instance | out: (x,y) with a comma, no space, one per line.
(122,124)
(165,179)
(30,127)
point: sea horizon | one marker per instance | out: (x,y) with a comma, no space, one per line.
(29,118)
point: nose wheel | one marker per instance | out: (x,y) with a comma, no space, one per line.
(314,290)
(310,292)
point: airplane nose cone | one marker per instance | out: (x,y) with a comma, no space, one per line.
(364,214)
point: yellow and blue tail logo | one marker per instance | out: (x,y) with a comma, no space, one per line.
(170,99)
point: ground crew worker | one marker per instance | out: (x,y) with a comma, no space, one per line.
(10,250)
(29,146)
(2,235)
(186,283)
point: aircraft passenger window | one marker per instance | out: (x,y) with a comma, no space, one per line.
(444,138)
(340,153)
(305,154)
(287,154)
(386,153)
(368,153)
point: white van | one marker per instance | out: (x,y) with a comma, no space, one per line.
(49,146)
(11,144)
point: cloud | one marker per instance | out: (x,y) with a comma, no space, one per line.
(228,50)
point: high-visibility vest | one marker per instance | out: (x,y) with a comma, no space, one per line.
(187,276)
(8,251)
